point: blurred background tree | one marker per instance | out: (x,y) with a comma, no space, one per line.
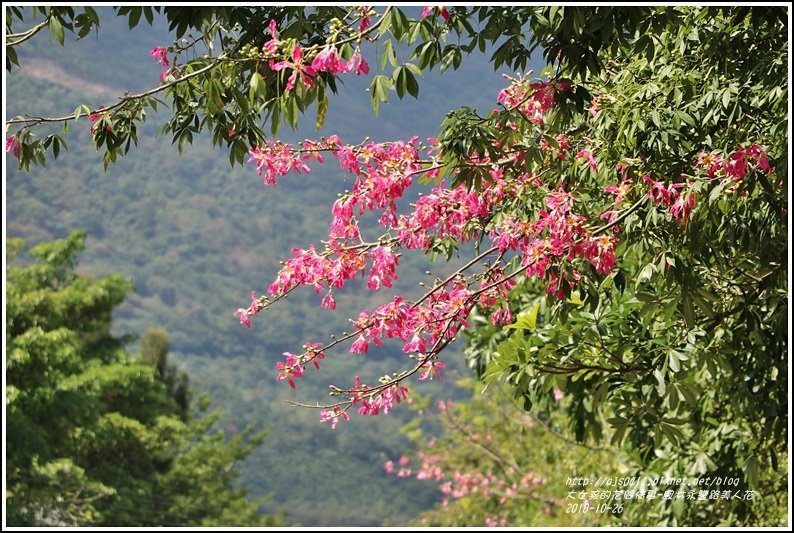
(97,436)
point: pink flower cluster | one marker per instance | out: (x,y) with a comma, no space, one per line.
(326,60)
(458,484)
(419,325)
(332,416)
(544,242)
(734,166)
(371,401)
(562,142)
(680,198)
(532,99)
(274,158)
(558,234)
(680,205)
(441,10)
(160,54)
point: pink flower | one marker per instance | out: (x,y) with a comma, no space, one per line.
(328,60)
(388,466)
(417,344)
(620,191)
(736,166)
(13,145)
(305,72)
(328,301)
(683,204)
(333,416)
(271,46)
(242,314)
(94,116)
(758,153)
(360,345)
(713,163)
(501,316)
(164,76)
(365,23)
(587,154)
(313,350)
(160,54)
(659,192)
(357,63)
(433,9)
(289,369)
(432,369)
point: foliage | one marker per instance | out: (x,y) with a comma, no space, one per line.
(96,436)
(497,465)
(654,220)
(677,354)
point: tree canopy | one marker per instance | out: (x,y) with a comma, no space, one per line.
(95,435)
(622,215)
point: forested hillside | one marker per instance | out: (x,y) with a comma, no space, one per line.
(196,236)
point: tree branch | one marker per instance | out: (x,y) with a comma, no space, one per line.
(25,35)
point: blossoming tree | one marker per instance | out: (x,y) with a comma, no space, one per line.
(626,210)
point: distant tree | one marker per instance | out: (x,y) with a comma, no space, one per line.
(154,350)
(94,435)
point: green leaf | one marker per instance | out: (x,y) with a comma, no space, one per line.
(322,108)
(56,30)
(388,55)
(689,311)
(526,320)
(716,192)
(751,469)
(385,23)
(257,86)
(400,81)
(135,16)
(413,86)
(646,273)
(661,387)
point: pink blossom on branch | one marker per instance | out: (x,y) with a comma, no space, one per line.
(289,369)
(620,191)
(13,145)
(328,60)
(96,115)
(165,74)
(588,155)
(274,159)
(160,54)
(358,64)
(441,10)
(332,416)
(305,73)
(549,239)
(432,369)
